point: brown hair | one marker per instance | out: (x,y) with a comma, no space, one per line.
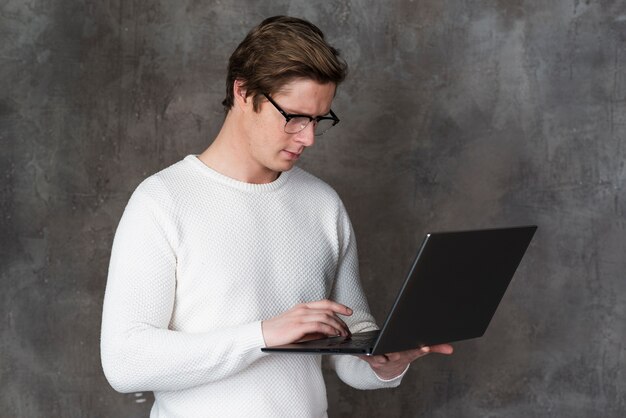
(277,51)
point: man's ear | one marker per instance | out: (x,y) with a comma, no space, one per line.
(239,93)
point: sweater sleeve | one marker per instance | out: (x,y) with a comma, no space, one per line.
(347,290)
(138,351)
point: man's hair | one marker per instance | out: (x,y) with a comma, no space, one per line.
(278,51)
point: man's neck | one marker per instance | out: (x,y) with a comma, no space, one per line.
(228,155)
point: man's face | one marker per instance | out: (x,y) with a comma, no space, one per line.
(269,146)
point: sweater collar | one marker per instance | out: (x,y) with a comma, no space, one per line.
(240,185)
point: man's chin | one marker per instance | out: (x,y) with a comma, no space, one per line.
(284,166)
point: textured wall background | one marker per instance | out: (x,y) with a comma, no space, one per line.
(456,115)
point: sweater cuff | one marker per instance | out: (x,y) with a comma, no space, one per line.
(394,379)
(252,339)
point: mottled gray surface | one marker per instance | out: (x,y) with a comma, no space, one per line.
(456,115)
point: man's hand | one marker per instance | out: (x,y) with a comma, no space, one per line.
(388,366)
(302,320)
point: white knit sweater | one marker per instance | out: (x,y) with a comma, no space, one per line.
(198,261)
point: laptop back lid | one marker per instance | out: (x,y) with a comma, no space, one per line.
(454,287)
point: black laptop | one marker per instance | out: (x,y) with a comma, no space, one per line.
(450,294)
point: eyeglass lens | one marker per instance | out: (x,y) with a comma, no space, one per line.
(296,125)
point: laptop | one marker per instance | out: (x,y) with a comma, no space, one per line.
(451,292)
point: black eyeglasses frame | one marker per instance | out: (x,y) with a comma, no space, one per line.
(290,116)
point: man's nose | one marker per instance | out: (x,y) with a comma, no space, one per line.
(307,136)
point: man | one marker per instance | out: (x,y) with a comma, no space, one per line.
(236,249)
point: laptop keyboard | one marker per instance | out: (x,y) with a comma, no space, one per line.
(365,340)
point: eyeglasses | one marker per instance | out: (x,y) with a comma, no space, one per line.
(295,123)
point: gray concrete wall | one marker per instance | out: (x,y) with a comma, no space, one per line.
(456,115)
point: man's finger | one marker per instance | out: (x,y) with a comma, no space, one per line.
(441,349)
(327,318)
(329,304)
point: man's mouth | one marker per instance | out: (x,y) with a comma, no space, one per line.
(292,154)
